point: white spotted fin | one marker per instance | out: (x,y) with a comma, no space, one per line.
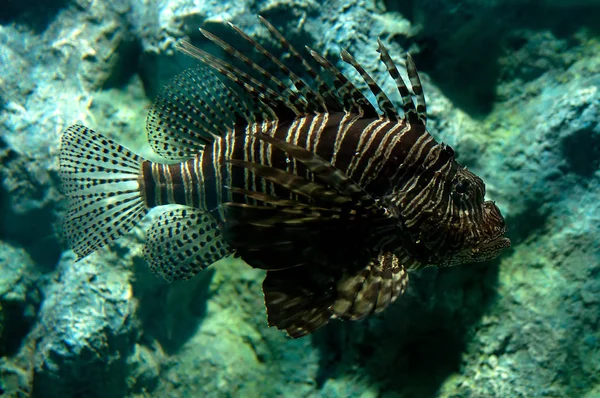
(182,243)
(104,185)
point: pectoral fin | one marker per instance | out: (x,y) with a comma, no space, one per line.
(298,299)
(371,289)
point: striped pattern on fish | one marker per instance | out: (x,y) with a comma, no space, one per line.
(335,197)
(366,145)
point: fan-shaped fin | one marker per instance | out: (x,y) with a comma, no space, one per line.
(371,289)
(183,242)
(302,299)
(298,299)
(100,181)
(289,97)
(190,112)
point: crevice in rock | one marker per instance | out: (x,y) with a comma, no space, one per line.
(582,151)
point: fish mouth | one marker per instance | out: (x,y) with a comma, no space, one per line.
(485,250)
(497,239)
(498,235)
(488,249)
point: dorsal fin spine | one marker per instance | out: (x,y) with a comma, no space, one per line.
(352,98)
(408,105)
(415,82)
(263,93)
(383,101)
(331,101)
(291,99)
(301,86)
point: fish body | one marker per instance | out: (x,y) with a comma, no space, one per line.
(336,198)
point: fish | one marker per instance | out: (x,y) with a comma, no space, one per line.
(289,166)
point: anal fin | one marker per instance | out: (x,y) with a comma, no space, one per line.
(183,242)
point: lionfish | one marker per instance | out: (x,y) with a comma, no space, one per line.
(337,199)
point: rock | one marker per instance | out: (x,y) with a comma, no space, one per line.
(20,299)
(75,54)
(86,330)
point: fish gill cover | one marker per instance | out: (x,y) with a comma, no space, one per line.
(523,325)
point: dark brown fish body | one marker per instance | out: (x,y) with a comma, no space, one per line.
(336,199)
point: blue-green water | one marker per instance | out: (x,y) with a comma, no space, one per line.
(513,87)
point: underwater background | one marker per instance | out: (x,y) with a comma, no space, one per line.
(512,85)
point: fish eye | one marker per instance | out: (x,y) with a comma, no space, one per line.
(461,187)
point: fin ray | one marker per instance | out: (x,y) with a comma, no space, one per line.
(269,103)
(352,99)
(371,289)
(297,104)
(408,106)
(183,242)
(100,180)
(324,94)
(415,82)
(297,300)
(385,105)
(182,120)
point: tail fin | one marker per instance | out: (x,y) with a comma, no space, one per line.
(100,179)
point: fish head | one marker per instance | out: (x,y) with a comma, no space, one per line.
(460,227)
(475,227)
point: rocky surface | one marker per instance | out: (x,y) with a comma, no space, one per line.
(86,330)
(518,97)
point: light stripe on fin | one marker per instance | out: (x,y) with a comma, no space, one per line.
(298,299)
(331,101)
(296,103)
(183,242)
(371,289)
(408,105)
(353,100)
(100,181)
(312,102)
(415,82)
(270,104)
(385,105)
